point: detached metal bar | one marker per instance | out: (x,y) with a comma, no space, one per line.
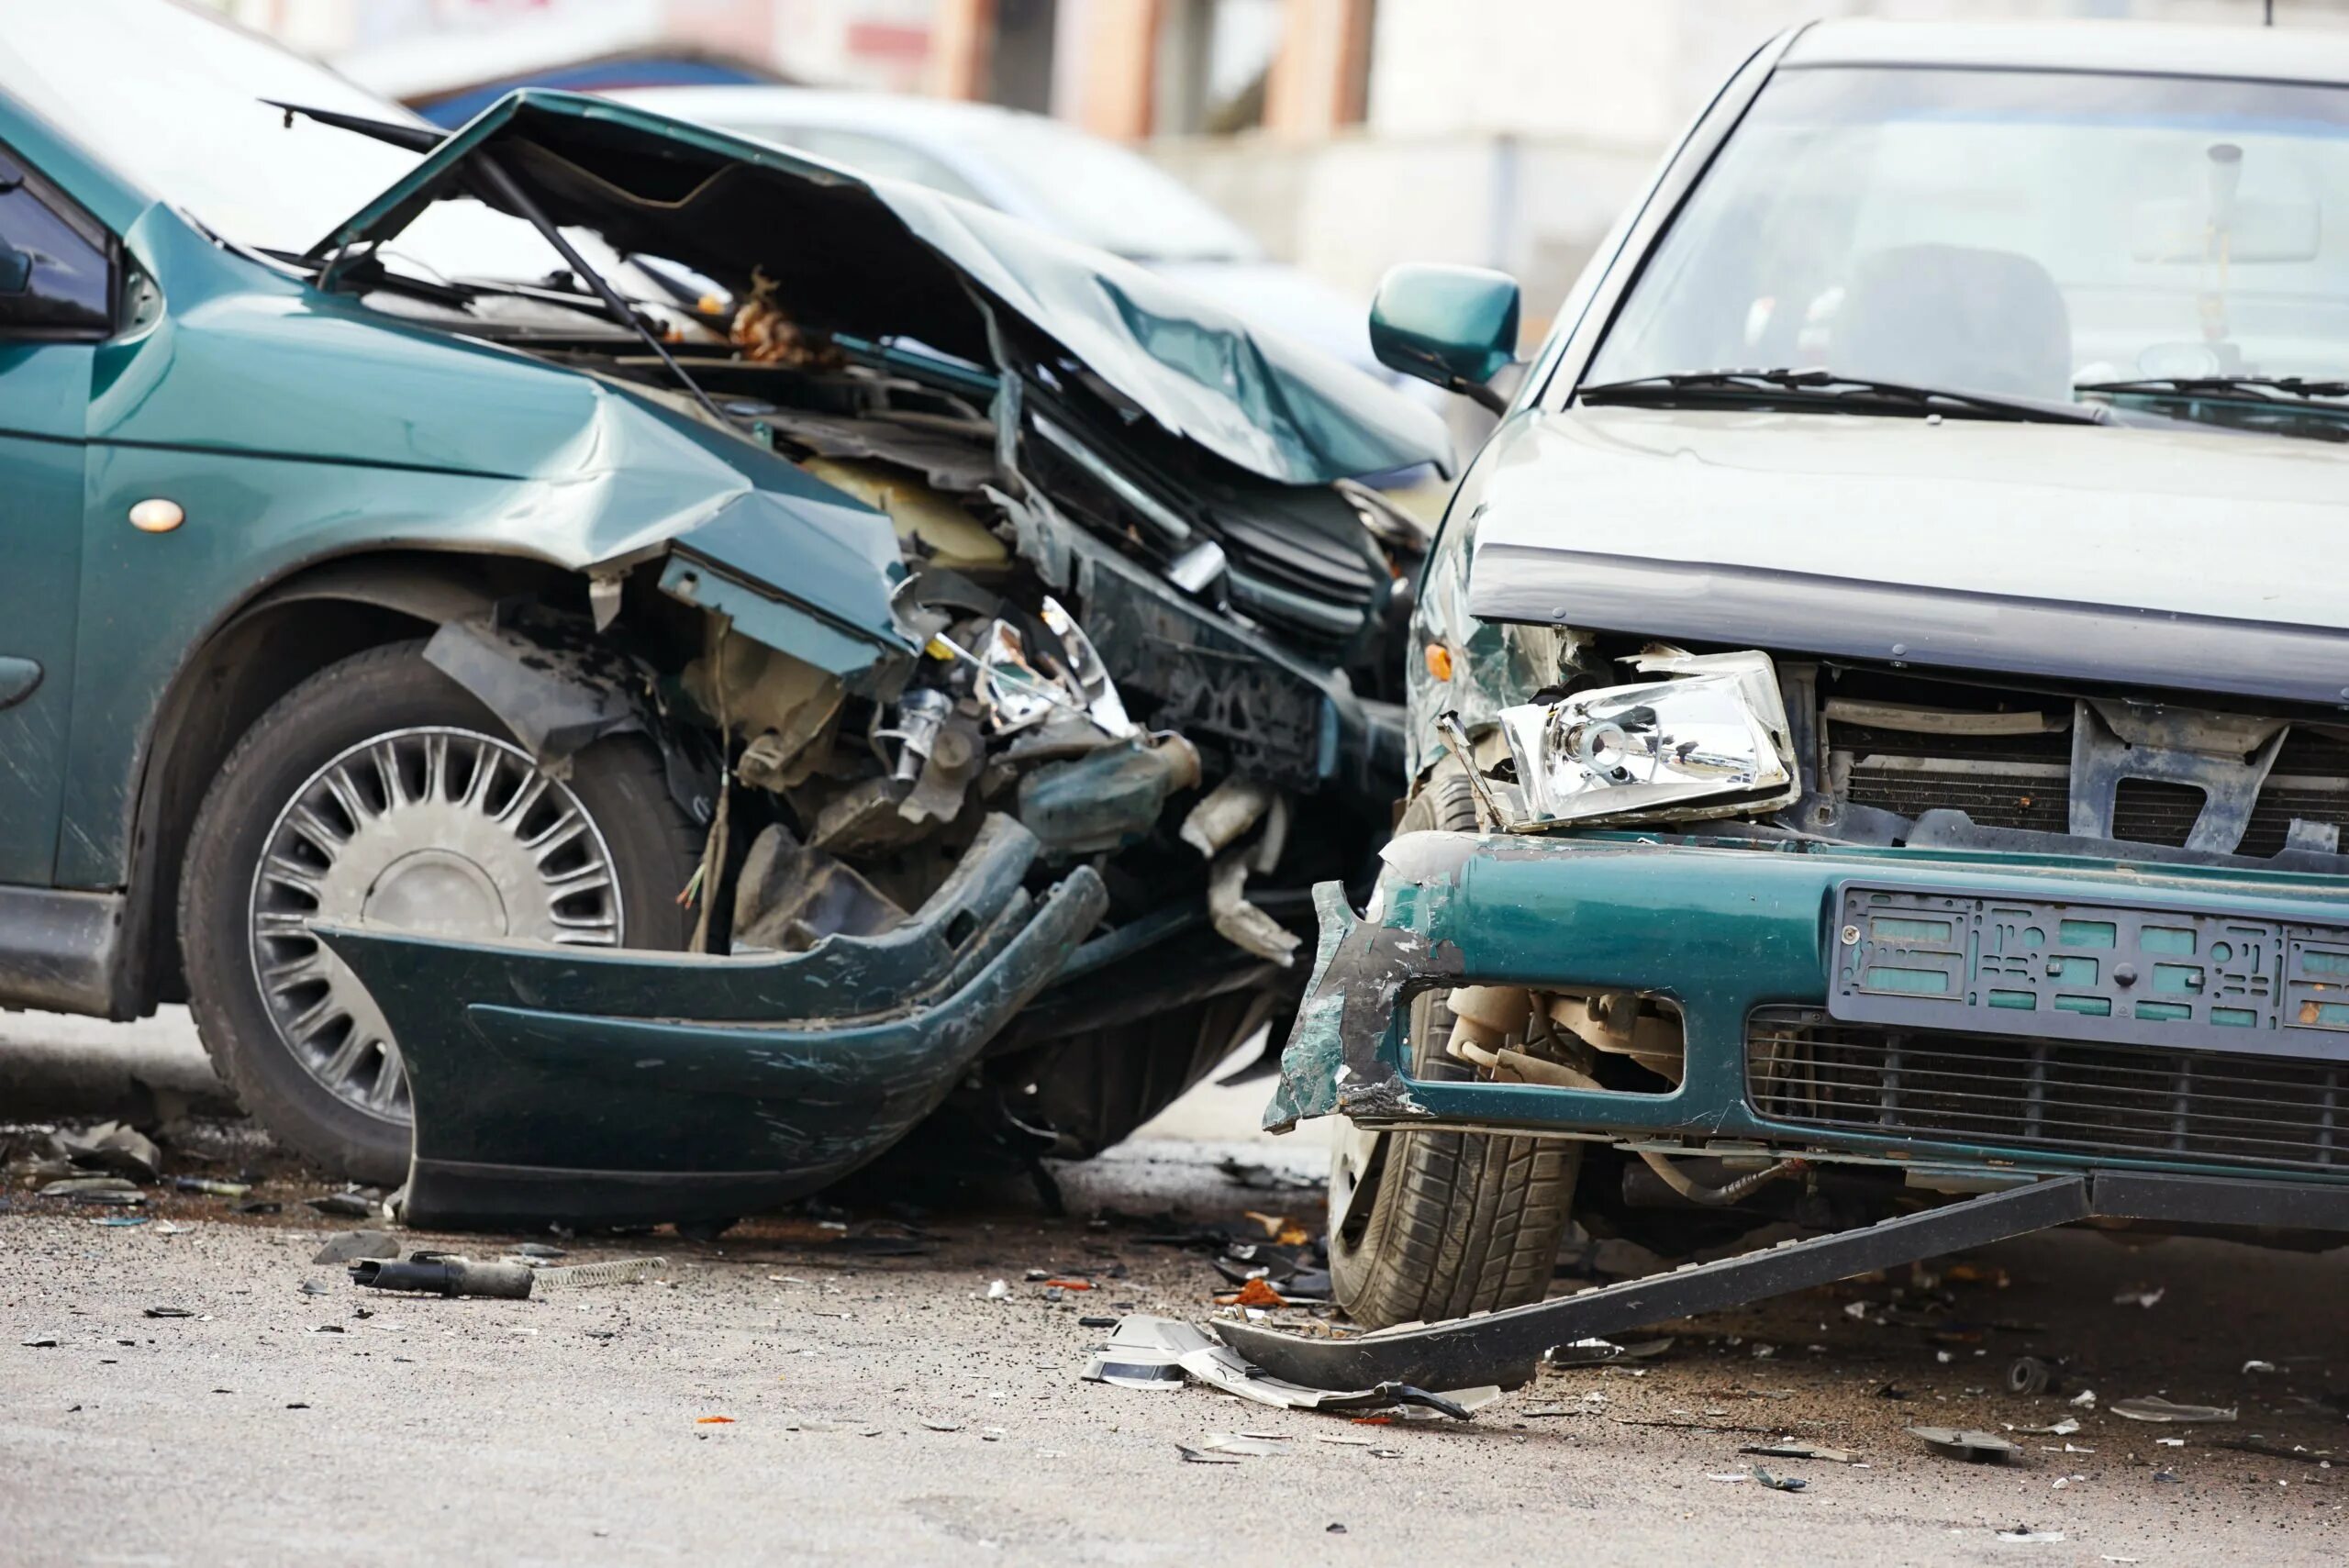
(1506,1347)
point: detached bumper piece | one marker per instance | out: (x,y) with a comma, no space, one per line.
(1506,1347)
(561,1085)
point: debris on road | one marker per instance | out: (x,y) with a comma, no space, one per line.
(349,1245)
(1194,1456)
(1249,1444)
(1151,1352)
(2063,1428)
(115,1147)
(2152,1408)
(2024,1532)
(169,1312)
(211,1186)
(93,1189)
(2140,1296)
(1779,1483)
(445,1276)
(352,1204)
(1973,1447)
(1802,1450)
(618,1270)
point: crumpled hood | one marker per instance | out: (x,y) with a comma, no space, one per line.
(875,259)
(2174,555)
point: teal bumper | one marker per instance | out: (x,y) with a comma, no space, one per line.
(575,1087)
(1720,930)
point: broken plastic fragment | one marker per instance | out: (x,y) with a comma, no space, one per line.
(1142,1349)
(2153,1408)
(1973,1447)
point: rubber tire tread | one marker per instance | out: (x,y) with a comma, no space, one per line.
(620,781)
(1095,1088)
(1460,1222)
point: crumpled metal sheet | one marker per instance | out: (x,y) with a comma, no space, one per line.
(1274,408)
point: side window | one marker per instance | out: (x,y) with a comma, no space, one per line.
(56,265)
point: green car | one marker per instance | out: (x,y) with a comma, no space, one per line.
(790,623)
(1880,709)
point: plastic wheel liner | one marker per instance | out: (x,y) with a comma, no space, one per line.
(557,1087)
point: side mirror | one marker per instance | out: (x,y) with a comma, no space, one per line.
(15,269)
(1453,326)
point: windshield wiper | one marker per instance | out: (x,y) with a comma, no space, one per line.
(2260,387)
(511,192)
(1826,388)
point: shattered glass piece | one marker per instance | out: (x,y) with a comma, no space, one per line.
(1016,694)
(1101,700)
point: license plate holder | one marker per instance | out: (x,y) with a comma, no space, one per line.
(2105,973)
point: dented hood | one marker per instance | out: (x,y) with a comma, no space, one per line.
(877,258)
(2173,556)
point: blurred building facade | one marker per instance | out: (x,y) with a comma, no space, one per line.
(1349,134)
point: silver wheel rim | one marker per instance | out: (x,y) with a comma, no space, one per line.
(437,829)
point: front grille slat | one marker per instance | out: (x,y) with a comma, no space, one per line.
(1802,1066)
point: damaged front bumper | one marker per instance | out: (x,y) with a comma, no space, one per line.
(556,1085)
(1749,947)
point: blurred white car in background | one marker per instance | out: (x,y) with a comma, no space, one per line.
(1050,174)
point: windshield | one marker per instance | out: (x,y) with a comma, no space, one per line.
(1098,192)
(2008,233)
(171,96)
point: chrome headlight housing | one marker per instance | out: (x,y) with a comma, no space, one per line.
(1708,738)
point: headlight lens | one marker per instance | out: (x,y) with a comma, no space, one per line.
(1709,740)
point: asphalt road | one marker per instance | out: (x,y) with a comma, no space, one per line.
(886,1410)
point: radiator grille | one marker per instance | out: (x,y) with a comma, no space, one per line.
(2023,782)
(2021,1093)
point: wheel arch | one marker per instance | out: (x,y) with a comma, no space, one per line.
(279,636)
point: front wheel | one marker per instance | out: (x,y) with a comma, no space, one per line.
(1425,1226)
(380,790)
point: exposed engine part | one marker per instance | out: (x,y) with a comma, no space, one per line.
(1625,1024)
(865,816)
(789,896)
(1726,1195)
(930,526)
(783,704)
(1108,799)
(1239,922)
(1485,1017)
(1228,810)
(921,714)
(956,756)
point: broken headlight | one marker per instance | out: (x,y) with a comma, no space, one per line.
(1707,739)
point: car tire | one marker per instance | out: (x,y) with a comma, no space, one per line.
(1425,1226)
(1096,1087)
(437,821)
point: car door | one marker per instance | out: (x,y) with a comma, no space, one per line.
(57,296)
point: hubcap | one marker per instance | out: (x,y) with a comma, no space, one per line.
(435,829)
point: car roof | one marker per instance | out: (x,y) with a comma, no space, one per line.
(2249,52)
